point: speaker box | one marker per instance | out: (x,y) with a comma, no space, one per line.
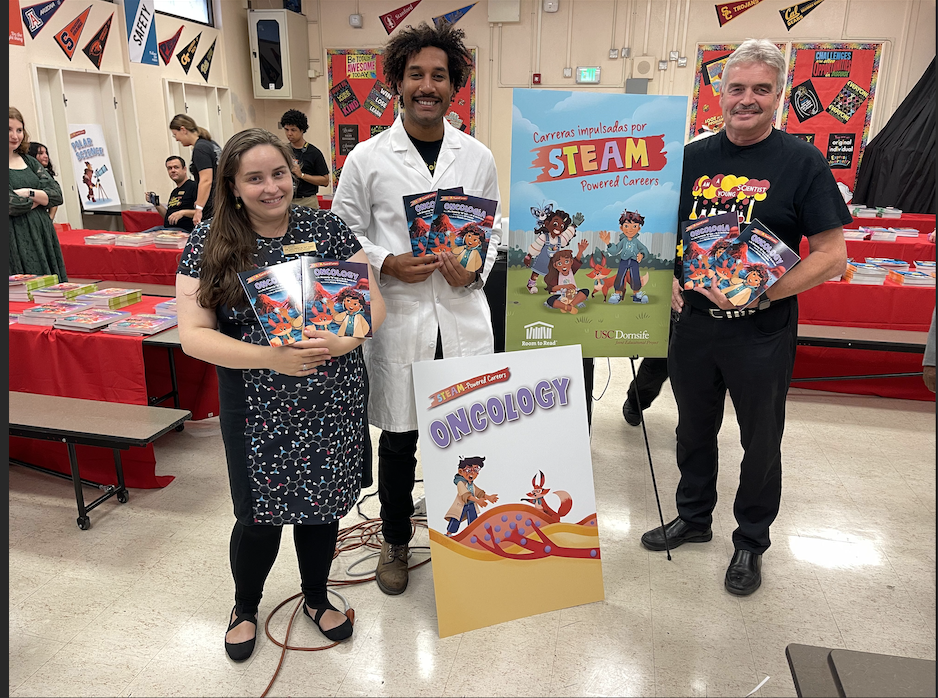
(644,67)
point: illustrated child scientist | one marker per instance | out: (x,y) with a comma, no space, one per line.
(630,252)
(469,496)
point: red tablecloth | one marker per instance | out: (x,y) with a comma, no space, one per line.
(137,221)
(98,366)
(922,222)
(142,265)
(881,307)
(907,248)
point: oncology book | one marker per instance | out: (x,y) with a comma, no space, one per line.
(741,265)
(418,208)
(467,222)
(336,296)
(276,295)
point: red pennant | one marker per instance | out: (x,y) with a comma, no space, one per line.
(167,47)
(392,19)
(95,48)
(730,10)
(67,38)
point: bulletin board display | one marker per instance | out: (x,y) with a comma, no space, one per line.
(829,100)
(361,105)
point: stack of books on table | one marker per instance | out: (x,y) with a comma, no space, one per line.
(911,278)
(877,233)
(48,313)
(925,266)
(21,285)
(89,320)
(862,211)
(62,292)
(14,318)
(171,240)
(101,239)
(167,307)
(142,324)
(111,298)
(134,239)
(866,274)
(855,234)
(904,232)
(888,264)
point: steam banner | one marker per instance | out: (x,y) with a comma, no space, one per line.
(361,105)
(829,100)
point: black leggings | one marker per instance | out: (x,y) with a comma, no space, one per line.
(253,550)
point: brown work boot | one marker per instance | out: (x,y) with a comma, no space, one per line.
(391,572)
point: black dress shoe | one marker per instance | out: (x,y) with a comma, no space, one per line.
(631,414)
(239,651)
(678,532)
(744,575)
(336,634)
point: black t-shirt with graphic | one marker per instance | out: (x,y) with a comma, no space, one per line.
(783,181)
(205,157)
(182,198)
(311,162)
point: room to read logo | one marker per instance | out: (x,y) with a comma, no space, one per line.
(538,334)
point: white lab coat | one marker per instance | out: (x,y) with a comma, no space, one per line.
(375,178)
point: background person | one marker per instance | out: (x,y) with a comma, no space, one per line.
(180,205)
(309,168)
(205,154)
(307,400)
(928,361)
(34,246)
(41,153)
(436,308)
(716,347)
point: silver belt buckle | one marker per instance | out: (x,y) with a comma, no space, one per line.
(716,313)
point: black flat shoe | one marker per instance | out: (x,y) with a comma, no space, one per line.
(337,634)
(239,651)
(631,414)
(678,532)
(744,575)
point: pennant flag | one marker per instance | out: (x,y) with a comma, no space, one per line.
(67,39)
(167,47)
(95,48)
(730,10)
(141,32)
(16,25)
(794,14)
(185,56)
(205,64)
(454,16)
(393,18)
(35,17)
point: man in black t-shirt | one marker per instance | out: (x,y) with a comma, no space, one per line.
(309,166)
(180,206)
(715,347)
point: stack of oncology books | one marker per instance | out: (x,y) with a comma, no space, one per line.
(135,239)
(866,274)
(171,240)
(101,239)
(50,312)
(888,264)
(142,324)
(62,292)
(166,307)
(21,285)
(111,298)
(89,320)
(911,278)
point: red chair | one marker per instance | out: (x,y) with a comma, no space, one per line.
(138,221)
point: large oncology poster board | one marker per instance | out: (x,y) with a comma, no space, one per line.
(534,545)
(92,166)
(579,161)
(361,105)
(829,100)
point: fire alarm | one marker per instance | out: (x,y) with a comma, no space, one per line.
(536,79)
(551,5)
(355,21)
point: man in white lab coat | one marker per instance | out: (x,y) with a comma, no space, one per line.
(435,307)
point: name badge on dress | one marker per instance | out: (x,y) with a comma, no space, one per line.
(299,248)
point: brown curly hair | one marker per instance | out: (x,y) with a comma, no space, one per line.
(410,41)
(23,148)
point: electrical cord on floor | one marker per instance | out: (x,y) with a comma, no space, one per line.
(366,534)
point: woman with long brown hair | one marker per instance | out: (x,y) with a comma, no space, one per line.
(34,246)
(293,418)
(204,162)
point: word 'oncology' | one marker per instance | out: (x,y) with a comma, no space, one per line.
(499,410)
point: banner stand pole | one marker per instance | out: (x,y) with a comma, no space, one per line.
(638,405)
